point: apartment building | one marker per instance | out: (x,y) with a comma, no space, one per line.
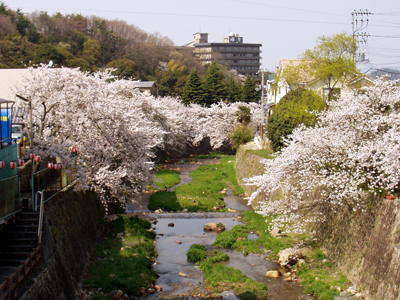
(232,52)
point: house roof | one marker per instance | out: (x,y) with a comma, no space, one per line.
(360,77)
(144,84)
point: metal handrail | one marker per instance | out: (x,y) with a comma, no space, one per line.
(40,214)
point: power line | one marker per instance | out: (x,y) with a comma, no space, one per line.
(289,8)
(194,15)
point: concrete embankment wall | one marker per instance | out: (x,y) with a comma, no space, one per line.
(247,165)
(366,246)
(74,225)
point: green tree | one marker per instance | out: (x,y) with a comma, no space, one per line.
(243,115)
(233,90)
(332,60)
(125,68)
(80,63)
(214,86)
(46,52)
(193,91)
(91,51)
(167,83)
(16,51)
(294,75)
(249,91)
(295,108)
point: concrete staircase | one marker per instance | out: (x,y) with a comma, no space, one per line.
(19,253)
(19,238)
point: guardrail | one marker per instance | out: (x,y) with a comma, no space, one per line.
(18,279)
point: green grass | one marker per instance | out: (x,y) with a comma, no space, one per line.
(321,278)
(165,179)
(203,192)
(257,224)
(263,153)
(124,262)
(213,154)
(219,277)
(227,238)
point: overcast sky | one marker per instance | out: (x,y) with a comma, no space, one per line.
(285,28)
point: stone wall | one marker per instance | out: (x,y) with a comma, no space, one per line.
(366,246)
(247,165)
(75,223)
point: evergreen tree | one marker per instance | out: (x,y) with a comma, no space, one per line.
(249,92)
(233,90)
(214,85)
(193,91)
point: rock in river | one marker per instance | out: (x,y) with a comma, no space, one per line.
(214,227)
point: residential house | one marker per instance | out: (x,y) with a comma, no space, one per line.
(149,87)
(298,77)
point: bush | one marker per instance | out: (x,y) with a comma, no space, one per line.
(196,253)
(295,108)
(242,135)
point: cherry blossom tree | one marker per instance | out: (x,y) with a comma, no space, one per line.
(115,128)
(113,137)
(349,157)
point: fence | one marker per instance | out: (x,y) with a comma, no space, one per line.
(9,196)
(18,279)
(16,191)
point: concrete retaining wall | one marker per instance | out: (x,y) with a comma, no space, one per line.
(75,223)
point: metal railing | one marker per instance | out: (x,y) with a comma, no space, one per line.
(9,196)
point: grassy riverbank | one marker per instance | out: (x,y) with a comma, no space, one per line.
(123,260)
(318,275)
(204,192)
(165,179)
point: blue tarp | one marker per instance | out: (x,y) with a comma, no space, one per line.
(5,126)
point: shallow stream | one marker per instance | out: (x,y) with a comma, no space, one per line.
(178,277)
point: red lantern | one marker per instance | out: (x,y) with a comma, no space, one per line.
(12,165)
(31,156)
(55,166)
(60,166)
(37,158)
(50,166)
(1,164)
(72,148)
(20,162)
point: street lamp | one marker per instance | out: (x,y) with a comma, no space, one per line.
(29,101)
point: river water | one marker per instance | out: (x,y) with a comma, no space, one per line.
(177,276)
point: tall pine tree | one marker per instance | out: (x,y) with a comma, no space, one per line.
(249,92)
(214,85)
(233,90)
(193,91)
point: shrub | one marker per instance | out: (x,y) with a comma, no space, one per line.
(196,253)
(295,108)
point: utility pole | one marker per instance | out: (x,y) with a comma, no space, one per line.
(262,105)
(360,20)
